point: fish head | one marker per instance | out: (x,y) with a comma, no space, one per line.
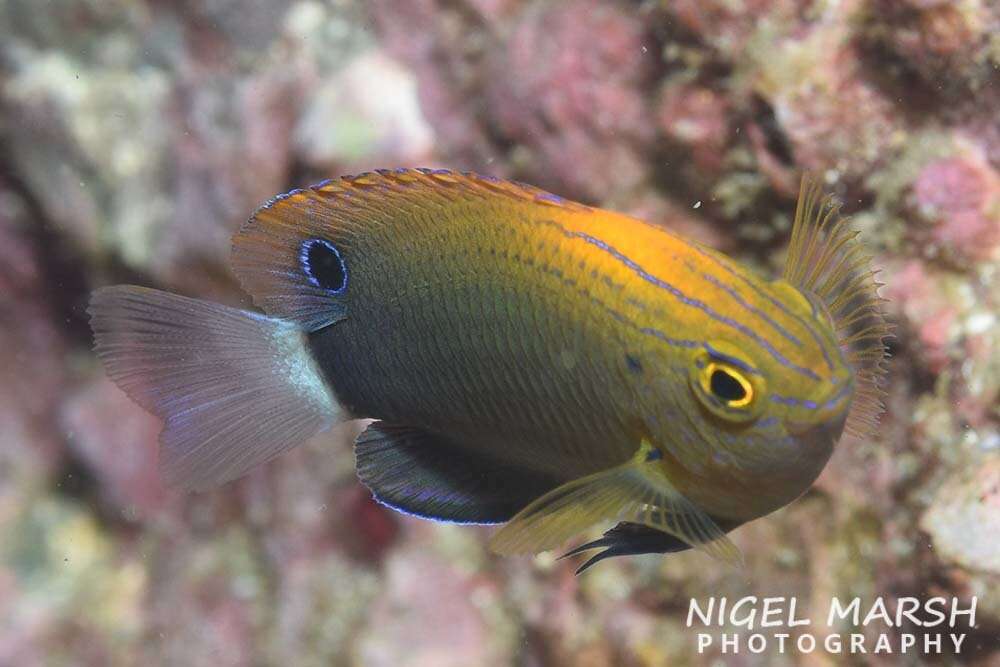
(766,404)
(780,369)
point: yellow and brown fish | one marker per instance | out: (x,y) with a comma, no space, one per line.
(528,360)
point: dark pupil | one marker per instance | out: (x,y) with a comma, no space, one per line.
(726,387)
(325,265)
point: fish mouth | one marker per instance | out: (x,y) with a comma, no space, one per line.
(831,410)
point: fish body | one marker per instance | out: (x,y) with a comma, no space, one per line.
(529,359)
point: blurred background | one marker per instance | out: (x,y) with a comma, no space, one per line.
(136,136)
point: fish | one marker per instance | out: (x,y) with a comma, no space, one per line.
(523,360)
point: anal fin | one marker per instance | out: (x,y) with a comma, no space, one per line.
(428,475)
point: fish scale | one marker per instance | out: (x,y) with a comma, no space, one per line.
(535,405)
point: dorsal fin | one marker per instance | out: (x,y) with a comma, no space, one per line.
(271,250)
(826,259)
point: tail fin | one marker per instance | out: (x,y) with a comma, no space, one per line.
(234,388)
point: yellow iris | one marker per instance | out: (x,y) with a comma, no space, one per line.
(726,383)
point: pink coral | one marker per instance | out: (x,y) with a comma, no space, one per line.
(568,88)
(116,439)
(937,38)
(32,347)
(729,26)
(696,117)
(434,613)
(834,116)
(960,197)
(919,297)
(428,38)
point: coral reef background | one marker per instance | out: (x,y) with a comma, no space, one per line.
(136,136)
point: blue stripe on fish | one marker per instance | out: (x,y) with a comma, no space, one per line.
(774,302)
(759,313)
(683,298)
(619,317)
(739,363)
(788,400)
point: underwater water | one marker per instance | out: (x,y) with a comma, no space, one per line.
(136,138)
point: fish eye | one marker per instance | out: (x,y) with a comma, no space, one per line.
(729,385)
(726,384)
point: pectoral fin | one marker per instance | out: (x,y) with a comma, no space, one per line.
(637,491)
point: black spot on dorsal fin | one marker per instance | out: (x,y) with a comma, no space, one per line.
(324,265)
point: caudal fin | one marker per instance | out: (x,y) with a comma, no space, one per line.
(234,388)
